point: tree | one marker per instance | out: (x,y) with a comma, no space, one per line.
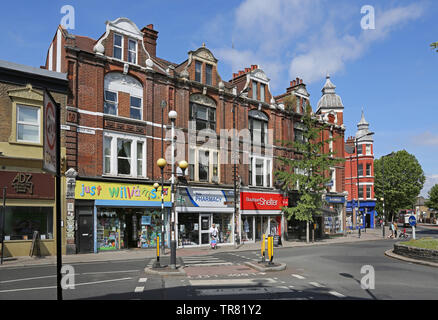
(432,203)
(309,173)
(401,183)
(434,45)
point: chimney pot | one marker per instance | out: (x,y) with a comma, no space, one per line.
(247,69)
(150,26)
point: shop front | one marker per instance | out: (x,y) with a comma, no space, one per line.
(197,209)
(365,217)
(333,214)
(113,216)
(30,208)
(261,214)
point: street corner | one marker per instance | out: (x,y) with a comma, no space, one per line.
(265,266)
(218,271)
(165,271)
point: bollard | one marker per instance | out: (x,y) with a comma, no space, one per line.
(270,248)
(263,248)
(157,263)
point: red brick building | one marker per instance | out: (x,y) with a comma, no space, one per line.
(120,97)
(359,177)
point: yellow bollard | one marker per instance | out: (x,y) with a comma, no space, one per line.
(263,248)
(270,248)
(158,248)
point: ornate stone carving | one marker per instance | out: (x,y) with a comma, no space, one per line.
(202,99)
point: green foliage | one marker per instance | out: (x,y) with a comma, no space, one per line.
(401,183)
(312,168)
(432,203)
(434,45)
(290,102)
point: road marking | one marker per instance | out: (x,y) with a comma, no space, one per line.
(231,282)
(209,264)
(121,271)
(337,294)
(142,279)
(138,289)
(298,276)
(54,287)
(316,284)
(25,279)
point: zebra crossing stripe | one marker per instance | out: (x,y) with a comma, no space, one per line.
(337,294)
(298,276)
(139,289)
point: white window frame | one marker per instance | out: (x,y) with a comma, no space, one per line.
(113,159)
(116,102)
(266,170)
(368,149)
(136,50)
(141,106)
(366,191)
(333,177)
(262,92)
(24,123)
(331,141)
(114,46)
(195,165)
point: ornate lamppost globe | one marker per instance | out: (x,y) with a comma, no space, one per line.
(156,185)
(161,163)
(183,164)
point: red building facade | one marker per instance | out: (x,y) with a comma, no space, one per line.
(117,127)
(359,177)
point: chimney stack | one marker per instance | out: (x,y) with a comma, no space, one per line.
(150,37)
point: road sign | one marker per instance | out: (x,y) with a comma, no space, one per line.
(50,154)
(412,221)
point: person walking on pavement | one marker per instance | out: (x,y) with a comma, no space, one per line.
(214,233)
(392,230)
(395,230)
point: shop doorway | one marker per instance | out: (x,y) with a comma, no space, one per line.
(205,228)
(86,233)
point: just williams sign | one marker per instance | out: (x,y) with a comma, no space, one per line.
(50,147)
(27,185)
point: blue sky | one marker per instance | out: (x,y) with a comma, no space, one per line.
(389,71)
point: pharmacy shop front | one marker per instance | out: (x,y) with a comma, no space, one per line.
(197,209)
(260,213)
(113,216)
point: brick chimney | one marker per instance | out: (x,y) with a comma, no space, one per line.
(150,37)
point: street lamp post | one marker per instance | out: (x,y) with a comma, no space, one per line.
(236,235)
(383,188)
(172,117)
(357,172)
(161,164)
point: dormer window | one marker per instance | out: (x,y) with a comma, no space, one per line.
(118,46)
(198,71)
(208,74)
(132,51)
(254,90)
(262,92)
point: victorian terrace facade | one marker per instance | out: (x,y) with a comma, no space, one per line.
(118,127)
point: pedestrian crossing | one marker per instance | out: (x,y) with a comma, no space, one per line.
(204,261)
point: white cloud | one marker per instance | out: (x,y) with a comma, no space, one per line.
(431,180)
(426,139)
(332,49)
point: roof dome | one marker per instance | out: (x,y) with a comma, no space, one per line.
(329,99)
(363,132)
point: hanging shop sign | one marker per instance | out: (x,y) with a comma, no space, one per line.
(95,190)
(335,199)
(262,201)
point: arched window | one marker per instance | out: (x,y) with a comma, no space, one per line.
(114,84)
(258,127)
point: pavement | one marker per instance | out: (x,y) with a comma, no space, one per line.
(138,254)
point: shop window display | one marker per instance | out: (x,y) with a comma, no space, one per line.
(21,222)
(224,225)
(120,228)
